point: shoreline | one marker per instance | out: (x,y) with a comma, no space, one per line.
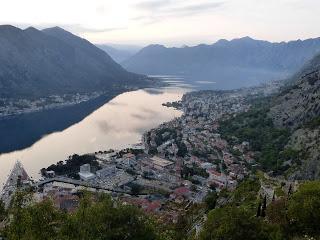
(21,133)
(50,121)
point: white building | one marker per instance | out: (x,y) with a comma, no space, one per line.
(85,173)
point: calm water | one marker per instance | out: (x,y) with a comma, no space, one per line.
(117,124)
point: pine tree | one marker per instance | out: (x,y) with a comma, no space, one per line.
(264,207)
(259,210)
(273,197)
(290,190)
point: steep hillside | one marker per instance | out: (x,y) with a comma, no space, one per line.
(231,64)
(300,103)
(54,61)
(284,130)
(298,108)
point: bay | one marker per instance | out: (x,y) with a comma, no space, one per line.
(117,124)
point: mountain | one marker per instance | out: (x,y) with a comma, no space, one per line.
(299,103)
(119,53)
(54,61)
(298,108)
(231,64)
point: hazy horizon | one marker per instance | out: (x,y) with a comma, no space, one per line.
(168,22)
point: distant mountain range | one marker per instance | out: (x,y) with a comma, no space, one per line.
(54,61)
(230,64)
(119,52)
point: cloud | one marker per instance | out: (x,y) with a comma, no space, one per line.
(196,8)
(76,28)
(157,10)
(152,5)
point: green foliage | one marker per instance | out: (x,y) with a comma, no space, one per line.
(257,128)
(276,212)
(236,223)
(211,200)
(18,228)
(165,134)
(106,219)
(96,218)
(245,194)
(3,212)
(194,170)
(100,217)
(314,123)
(304,209)
(136,189)
(292,218)
(182,149)
(72,166)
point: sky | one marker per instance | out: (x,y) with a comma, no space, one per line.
(169,22)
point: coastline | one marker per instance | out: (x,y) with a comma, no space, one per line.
(25,134)
(20,130)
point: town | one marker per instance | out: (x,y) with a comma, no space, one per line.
(174,168)
(12,106)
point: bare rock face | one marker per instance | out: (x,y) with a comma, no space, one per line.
(300,103)
(298,108)
(308,141)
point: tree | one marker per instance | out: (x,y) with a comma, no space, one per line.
(97,218)
(211,200)
(264,207)
(234,223)
(3,212)
(107,219)
(19,223)
(304,209)
(276,212)
(135,189)
(44,221)
(259,210)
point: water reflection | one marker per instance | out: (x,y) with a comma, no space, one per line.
(117,124)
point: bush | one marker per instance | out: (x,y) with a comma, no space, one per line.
(304,209)
(234,223)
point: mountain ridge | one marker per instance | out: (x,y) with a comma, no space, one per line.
(231,64)
(54,61)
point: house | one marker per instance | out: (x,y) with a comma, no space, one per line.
(85,173)
(217,179)
(68,203)
(50,174)
(106,172)
(158,163)
(128,160)
(207,165)
(145,204)
(180,194)
(106,157)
